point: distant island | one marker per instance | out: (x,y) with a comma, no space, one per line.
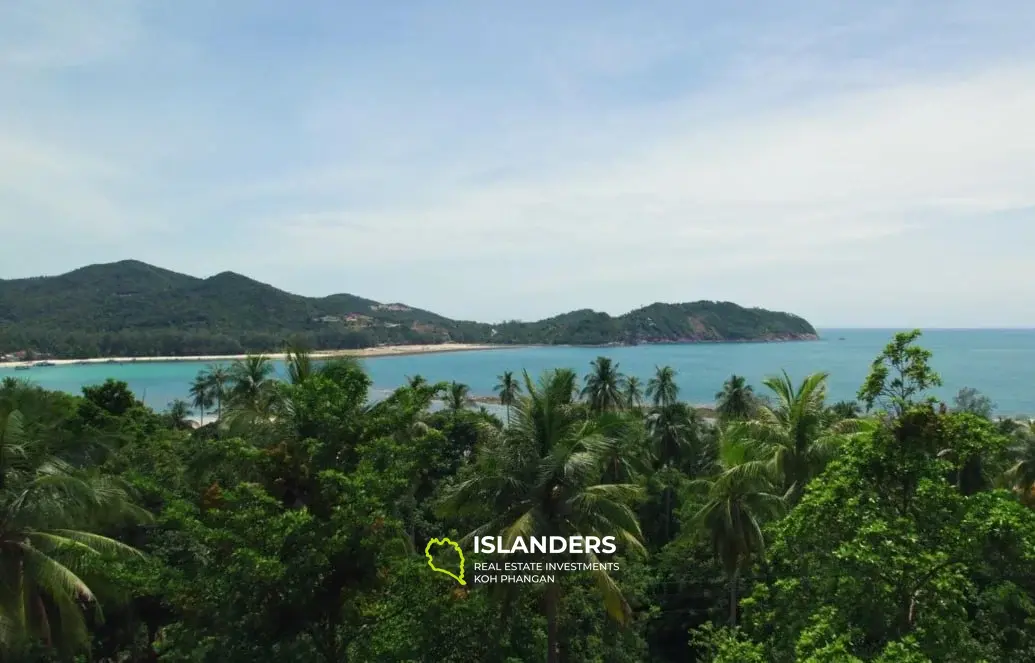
(132,309)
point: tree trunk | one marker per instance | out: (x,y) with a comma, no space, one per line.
(553,650)
(733,597)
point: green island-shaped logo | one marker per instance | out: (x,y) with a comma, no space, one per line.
(431,561)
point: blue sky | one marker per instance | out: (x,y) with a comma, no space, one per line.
(861,164)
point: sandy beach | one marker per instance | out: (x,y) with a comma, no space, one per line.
(381,351)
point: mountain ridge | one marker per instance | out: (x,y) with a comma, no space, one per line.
(132,308)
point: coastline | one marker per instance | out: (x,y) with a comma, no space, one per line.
(390,351)
(381,351)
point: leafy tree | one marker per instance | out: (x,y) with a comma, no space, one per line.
(973,401)
(113,397)
(898,374)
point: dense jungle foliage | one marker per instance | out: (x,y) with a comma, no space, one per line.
(292,528)
(132,309)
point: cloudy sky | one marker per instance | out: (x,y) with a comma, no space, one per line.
(858,163)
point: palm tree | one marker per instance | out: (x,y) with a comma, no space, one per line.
(846,410)
(672,430)
(202,393)
(565,384)
(250,380)
(1021,475)
(299,365)
(795,432)
(508,388)
(603,386)
(632,392)
(662,388)
(736,400)
(48,508)
(416,382)
(458,397)
(218,377)
(738,498)
(541,477)
(178,414)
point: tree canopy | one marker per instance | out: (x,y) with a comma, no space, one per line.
(292,525)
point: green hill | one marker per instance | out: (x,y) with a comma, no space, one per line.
(130,308)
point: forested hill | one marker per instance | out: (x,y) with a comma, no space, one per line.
(130,308)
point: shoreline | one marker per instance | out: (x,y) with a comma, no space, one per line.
(383,351)
(380,351)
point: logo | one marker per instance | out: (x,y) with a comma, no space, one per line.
(431,560)
(534,570)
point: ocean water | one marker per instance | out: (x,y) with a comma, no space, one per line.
(999,363)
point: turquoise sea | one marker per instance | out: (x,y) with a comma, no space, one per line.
(999,363)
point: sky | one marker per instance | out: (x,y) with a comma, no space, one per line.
(857,163)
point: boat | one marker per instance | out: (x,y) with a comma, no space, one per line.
(23,367)
(44,363)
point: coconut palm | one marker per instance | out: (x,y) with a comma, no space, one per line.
(795,432)
(49,557)
(627,450)
(178,414)
(736,400)
(541,477)
(603,386)
(251,383)
(846,410)
(738,498)
(202,394)
(662,388)
(458,397)
(632,392)
(218,378)
(508,388)
(299,365)
(672,432)
(565,383)
(1021,475)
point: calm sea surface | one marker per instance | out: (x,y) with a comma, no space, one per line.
(999,363)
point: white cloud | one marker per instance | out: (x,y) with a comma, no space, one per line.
(829,173)
(790,160)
